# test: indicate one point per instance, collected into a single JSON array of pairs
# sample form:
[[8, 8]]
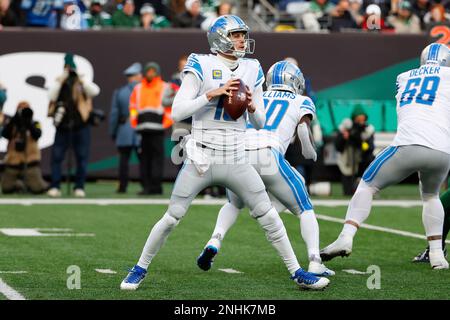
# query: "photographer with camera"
[[72, 111], [22, 160], [355, 146]]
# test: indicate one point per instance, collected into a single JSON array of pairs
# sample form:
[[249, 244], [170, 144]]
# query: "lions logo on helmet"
[[284, 75], [436, 53], [219, 36]]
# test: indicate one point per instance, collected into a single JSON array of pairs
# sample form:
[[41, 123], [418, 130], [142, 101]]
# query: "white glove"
[[308, 149]]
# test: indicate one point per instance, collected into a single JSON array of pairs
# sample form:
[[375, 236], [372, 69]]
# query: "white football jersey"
[[283, 113], [423, 108], [211, 125]]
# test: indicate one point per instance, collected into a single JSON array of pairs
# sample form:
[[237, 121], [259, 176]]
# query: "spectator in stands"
[[71, 107], [222, 9], [355, 146], [318, 15], [22, 159], [112, 6], [125, 18], [160, 7], [146, 117], [149, 19], [436, 15], [41, 13], [373, 20], [420, 9], [72, 17], [192, 17], [404, 20], [356, 10], [120, 129], [342, 17], [96, 18], [7, 16]]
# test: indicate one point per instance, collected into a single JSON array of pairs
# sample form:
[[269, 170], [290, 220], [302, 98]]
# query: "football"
[[236, 104]]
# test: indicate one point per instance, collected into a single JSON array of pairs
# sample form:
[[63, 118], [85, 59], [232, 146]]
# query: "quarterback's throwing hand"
[[225, 89]]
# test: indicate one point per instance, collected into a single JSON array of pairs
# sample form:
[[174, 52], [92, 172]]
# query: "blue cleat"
[[205, 259], [134, 278], [307, 280]]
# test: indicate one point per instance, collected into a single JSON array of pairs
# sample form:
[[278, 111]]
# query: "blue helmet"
[[286, 76], [219, 36], [436, 53]]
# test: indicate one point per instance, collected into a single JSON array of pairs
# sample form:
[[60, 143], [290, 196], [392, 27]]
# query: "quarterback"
[[287, 112], [422, 144], [215, 149]]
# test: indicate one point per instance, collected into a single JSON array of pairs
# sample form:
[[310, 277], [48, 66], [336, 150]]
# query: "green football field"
[[112, 237]]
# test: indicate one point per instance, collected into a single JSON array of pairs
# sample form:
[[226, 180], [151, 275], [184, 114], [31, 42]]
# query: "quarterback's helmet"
[[284, 75], [436, 53], [219, 36]]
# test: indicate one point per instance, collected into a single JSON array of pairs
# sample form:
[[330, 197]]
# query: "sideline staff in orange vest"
[[147, 117]]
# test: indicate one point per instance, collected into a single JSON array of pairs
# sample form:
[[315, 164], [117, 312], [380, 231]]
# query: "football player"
[[287, 112], [422, 144], [215, 150]]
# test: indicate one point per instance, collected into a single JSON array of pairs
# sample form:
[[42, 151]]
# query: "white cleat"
[[320, 270], [437, 260], [54, 192], [133, 279], [79, 193], [341, 247]]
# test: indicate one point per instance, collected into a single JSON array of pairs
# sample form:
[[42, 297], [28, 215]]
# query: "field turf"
[[121, 231]]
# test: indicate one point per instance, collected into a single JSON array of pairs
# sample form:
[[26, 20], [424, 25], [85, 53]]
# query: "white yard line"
[[14, 272], [205, 202], [9, 292], [377, 228], [229, 270], [106, 271]]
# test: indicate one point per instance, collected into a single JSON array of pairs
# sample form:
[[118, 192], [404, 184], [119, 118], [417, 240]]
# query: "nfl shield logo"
[[217, 74]]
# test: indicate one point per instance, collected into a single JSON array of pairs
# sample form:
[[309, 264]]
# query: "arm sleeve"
[[305, 137], [186, 102], [258, 118]]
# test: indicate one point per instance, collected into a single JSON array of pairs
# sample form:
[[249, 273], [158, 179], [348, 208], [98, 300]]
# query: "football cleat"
[[437, 260], [341, 247], [320, 270], [424, 256], [307, 280], [134, 278], [205, 259]]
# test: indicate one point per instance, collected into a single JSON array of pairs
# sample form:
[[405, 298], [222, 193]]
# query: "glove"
[[308, 149]]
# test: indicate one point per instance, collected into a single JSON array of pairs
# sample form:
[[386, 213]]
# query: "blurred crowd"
[[400, 16], [107, 14]]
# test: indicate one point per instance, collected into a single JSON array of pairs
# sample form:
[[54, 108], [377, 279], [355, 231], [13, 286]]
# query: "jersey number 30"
[[427, 92]]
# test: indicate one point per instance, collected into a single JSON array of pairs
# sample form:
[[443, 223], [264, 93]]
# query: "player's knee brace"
[[273, 226], [176, 211], [261, 209]]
